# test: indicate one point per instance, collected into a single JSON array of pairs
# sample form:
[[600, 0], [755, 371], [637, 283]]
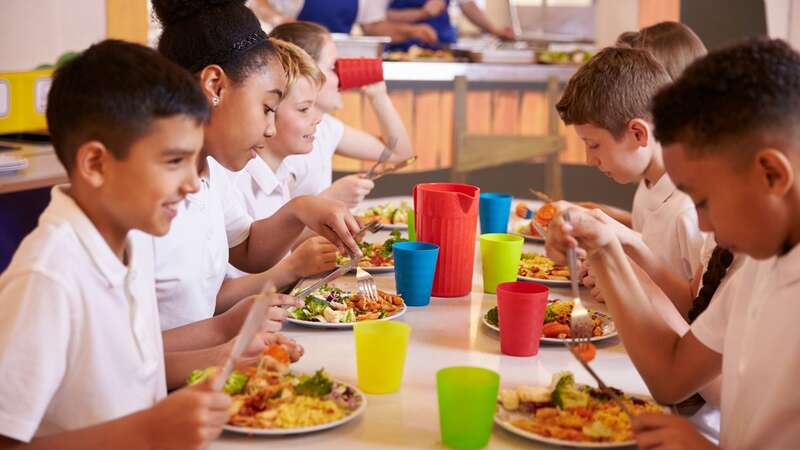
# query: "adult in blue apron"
[[445, 30], [338, 16]]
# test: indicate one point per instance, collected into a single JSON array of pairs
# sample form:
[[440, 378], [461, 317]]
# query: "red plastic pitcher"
[[446, 214]]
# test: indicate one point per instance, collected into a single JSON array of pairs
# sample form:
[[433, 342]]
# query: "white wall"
[[39, 31]]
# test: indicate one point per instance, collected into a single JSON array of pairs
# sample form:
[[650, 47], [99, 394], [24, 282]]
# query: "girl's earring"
[[215, 101]]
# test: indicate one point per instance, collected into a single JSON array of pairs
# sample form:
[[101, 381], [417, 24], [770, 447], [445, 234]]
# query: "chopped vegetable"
[[316, 306], [315, 386], [234, 384], [492, 317], [555, 330], [567, 395], [586, 351], [598, 430], [278, 352]]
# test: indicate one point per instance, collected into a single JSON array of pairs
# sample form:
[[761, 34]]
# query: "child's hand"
[[273, 319], [668, 432], [190, 418], [330, 219], [584, 231], [255, 348], [434, 8], [589, 281], [314, 255], [350, 189]]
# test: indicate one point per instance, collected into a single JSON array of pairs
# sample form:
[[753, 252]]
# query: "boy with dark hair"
[[80, 343], [729, 126]]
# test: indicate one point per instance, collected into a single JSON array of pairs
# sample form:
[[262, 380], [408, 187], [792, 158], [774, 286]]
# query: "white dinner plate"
[[337, 326], [288, 431], [553, 283], [508, 426], [609, 330]]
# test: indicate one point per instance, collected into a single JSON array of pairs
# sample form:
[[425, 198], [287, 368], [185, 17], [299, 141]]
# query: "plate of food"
[[390, 215], [526, 220], [270, 399], [378, 257], [333, 307], [556, 322], [541, 269], [570, 414]]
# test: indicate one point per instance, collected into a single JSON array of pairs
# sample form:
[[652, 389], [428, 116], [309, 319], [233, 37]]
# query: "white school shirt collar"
[[658, 193], [267, 180], [64, 209], [787, 267]]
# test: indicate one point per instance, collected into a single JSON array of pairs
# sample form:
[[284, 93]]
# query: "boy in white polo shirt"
[[80, 343], [730, 131], [607, 101]]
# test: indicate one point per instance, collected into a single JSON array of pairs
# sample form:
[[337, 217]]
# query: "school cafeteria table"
[[448, 332]]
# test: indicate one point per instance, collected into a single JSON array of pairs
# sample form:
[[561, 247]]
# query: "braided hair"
[[716, 269]]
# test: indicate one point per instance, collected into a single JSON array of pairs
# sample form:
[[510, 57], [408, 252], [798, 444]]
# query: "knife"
[[328, 278]]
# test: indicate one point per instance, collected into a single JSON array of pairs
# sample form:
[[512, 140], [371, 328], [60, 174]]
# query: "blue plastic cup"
[[494, 210], [414, 267]]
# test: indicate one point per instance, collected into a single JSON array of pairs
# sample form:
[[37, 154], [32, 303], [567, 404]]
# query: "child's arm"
[[272, 237], [188, 419], [431, 8], [620, 215], [672, 366], [400, 32], [312, 256], [266, 13], [220, 329], [360, 145]]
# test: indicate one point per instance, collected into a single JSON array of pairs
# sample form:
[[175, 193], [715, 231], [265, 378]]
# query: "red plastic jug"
[[446, 214]]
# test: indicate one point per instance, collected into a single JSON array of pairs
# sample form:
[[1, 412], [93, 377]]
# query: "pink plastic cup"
[[356, 72], [520, 310]]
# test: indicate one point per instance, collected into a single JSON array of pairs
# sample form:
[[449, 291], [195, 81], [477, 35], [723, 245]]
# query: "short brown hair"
[[309, 36], [611, 89], [673, 44], [297, 63]]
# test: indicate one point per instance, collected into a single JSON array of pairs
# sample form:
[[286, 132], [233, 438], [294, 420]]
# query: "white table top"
[[448, 332]]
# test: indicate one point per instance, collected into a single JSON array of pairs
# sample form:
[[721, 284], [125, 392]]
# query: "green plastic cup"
[[467, 401], [412, 233], [380, 354], [500, 254]]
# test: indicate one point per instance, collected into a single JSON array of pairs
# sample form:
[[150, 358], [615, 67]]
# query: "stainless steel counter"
[[475, 72]]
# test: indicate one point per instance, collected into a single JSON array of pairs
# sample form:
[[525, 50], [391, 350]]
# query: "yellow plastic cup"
[[500, 255], [380, 355]]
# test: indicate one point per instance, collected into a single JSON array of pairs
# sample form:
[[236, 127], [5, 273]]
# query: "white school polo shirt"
[[314, 170], [753, 324], [263, 191], [80, 341], [667, 221], [191, 260]]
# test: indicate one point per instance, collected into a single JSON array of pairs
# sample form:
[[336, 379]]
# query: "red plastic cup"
[[357, 72], [520, 310], [446, 214]]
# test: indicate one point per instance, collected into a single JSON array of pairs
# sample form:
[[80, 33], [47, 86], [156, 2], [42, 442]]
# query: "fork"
[[373, 226], [366, 285], [603, 387], [580, 322], [541, 195], [385, 154]]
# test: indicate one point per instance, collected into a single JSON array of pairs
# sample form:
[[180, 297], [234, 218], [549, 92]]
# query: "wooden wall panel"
[[533, 113], [427, 128], [127, 20], [479, 112], [446, 124], [505, 108], [654, 11]]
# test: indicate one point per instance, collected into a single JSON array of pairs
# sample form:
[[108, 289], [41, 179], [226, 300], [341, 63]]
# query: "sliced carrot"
[[522, 210], [555, 329], [586, 351], [546, 213], [278, 352]]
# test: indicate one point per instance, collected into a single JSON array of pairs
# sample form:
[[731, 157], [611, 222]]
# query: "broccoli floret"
[[567, 394], [233, 385], [316, 305], [549, 314], [492, 317], [300, 314], [315, 386], [386, 249]]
